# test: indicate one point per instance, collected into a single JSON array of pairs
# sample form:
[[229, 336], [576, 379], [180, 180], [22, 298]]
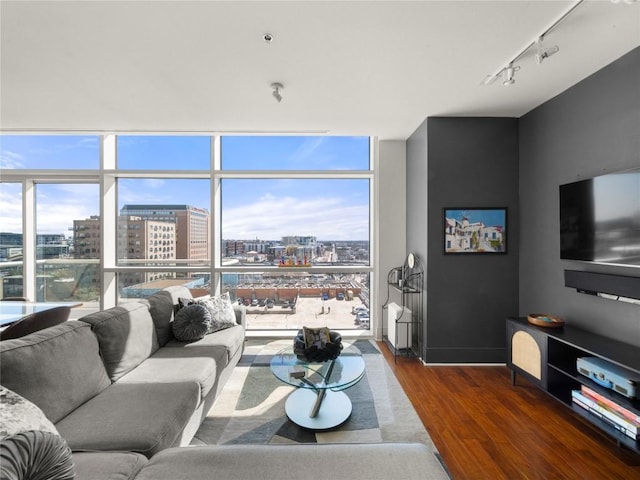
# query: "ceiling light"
[[277, 88], [507, 74], [542, 52]]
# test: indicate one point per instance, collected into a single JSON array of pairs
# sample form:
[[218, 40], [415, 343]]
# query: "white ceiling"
[[349, 67]]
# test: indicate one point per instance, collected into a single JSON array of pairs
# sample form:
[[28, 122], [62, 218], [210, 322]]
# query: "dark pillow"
[[191, 323], [35, 455]]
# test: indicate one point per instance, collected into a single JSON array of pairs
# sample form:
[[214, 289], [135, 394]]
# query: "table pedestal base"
[[334, 410]]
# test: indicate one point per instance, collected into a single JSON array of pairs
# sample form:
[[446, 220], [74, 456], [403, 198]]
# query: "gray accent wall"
[[591, 129], [464, 162]]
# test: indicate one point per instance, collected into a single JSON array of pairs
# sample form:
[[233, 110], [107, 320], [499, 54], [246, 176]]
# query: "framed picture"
[[475, 230]]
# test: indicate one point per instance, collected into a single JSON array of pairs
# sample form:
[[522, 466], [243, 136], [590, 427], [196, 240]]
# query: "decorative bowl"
[[545, 320], [313, 353]]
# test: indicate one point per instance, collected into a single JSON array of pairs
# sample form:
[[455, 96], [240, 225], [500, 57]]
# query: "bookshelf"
[[547, 358]]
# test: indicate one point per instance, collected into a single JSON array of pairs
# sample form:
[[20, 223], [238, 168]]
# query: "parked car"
[[247, 302], [340, 296], [325, 296], [254, 302], [270, 303]]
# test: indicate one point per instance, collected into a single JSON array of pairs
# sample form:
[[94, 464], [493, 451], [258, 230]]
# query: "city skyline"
[[328, 208]]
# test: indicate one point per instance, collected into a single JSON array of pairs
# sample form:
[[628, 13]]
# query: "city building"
[[191, 227]]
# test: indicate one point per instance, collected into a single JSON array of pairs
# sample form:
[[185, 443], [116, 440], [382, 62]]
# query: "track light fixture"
[[542, 52], [508, 73], [277, 88]]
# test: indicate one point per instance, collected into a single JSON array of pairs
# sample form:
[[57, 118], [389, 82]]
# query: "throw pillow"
[[20, 415], [221, 310], [30, 446], [36, 455], [191, 323]]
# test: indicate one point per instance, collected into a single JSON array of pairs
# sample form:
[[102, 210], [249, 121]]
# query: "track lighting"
[[542, 52], [507, 74], [277, 87]]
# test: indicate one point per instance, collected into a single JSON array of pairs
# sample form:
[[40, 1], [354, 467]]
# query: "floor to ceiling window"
[[284, 224]]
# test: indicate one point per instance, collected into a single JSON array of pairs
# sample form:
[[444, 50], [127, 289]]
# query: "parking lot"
[[309, 312]]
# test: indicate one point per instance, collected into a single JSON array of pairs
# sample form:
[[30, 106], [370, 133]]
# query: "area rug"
[[250, 409]]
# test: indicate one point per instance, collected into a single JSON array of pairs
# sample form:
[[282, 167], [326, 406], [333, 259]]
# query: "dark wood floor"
[[486, 429]]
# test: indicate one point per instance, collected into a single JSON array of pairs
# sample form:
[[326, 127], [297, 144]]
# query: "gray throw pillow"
[[221, 310], [191, 323], [30, 446], [35, 455]]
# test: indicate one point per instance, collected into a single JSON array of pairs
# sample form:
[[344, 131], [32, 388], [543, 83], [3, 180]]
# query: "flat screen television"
[[600, 219]]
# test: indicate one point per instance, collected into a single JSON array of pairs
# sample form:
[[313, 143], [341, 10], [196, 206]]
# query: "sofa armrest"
[[241, 314]]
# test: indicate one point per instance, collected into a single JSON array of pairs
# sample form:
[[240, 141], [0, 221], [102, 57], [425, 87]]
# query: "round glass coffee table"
[[319, 402]]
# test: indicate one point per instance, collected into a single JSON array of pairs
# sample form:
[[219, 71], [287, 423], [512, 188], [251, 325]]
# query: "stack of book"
[[623, 419]]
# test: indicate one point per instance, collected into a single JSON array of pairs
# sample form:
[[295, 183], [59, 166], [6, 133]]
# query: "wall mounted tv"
[[600, 219]]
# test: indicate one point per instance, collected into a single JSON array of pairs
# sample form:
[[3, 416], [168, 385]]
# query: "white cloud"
[[270, 218], [11, 160]]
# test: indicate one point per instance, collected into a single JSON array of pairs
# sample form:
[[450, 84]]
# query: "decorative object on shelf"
[[545, 320], [317, 344], [475, 230]]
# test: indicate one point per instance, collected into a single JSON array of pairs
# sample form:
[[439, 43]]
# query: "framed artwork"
[[475, 230]]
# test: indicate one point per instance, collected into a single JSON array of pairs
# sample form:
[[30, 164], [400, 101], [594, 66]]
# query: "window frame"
[[107, 175]]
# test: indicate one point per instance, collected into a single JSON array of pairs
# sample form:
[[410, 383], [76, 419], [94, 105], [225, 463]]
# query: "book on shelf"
[[625, 412], [619, 422], [597, 414]]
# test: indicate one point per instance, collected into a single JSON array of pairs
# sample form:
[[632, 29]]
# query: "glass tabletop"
[[338, 374]]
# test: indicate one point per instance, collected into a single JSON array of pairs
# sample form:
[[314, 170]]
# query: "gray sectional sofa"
[[128, 398]]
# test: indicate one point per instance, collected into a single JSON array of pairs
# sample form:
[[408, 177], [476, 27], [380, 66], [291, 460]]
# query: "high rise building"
[[87, 238], [191, 226]]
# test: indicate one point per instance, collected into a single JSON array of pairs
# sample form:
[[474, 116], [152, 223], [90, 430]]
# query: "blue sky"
[[490, 218], [265, 209]]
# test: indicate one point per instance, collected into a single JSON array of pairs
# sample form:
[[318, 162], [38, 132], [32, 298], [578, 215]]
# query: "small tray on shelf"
[[545, 320]]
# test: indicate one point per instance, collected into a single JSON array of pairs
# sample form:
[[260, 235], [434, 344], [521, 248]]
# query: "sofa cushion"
[[221, 345], [35, 455], [172, 365], [107, 465], [39, 367], [162, 306], [191, 323], [126, 334], [143, 418]]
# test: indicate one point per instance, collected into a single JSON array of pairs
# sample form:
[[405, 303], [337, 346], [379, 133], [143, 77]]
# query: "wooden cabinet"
[[547, 357]]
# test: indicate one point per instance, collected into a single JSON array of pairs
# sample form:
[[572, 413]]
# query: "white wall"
[[391, 213]]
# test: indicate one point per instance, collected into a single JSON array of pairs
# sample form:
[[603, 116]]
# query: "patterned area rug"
[[250, 409]]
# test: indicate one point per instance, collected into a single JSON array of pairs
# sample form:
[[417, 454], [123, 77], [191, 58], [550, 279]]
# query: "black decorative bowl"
[[314, 354]]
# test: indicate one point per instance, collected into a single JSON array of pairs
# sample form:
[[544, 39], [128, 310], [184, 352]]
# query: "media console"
[[547, 357]]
